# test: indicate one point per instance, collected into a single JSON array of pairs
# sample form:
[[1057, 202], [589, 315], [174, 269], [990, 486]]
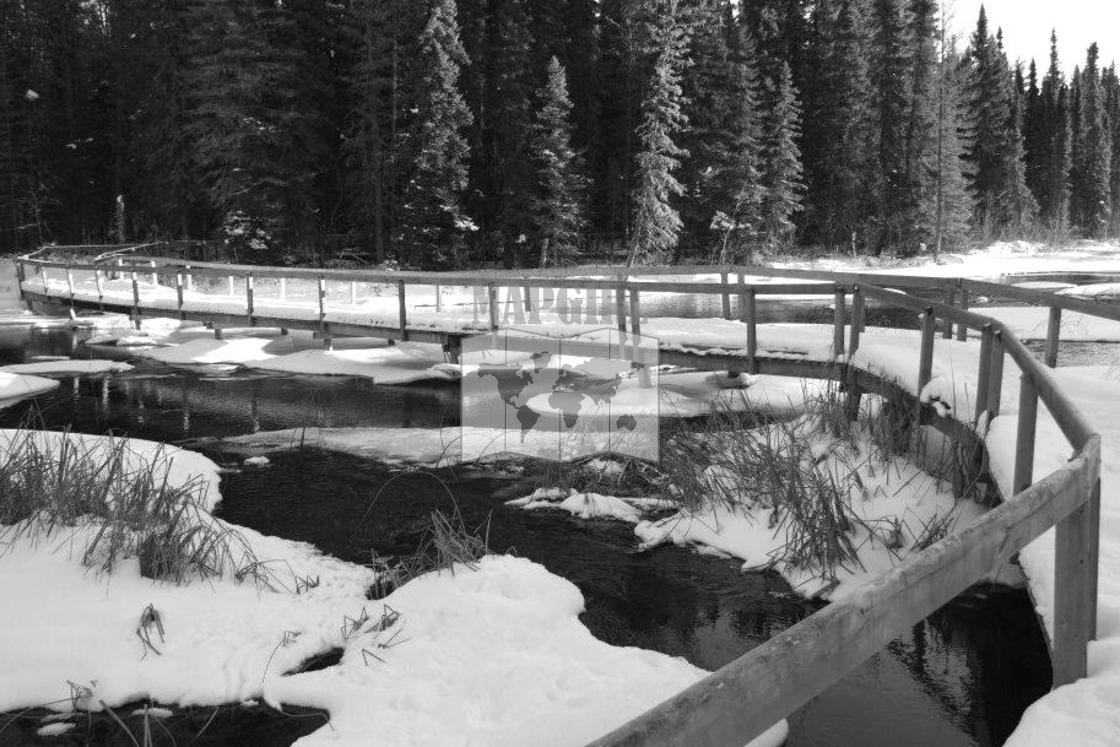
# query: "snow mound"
[[90, 367]]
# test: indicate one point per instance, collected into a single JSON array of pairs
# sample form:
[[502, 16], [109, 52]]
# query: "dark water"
[[257, 725], [962, 677]]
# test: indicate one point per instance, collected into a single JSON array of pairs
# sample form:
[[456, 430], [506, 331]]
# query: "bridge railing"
[[744, 698]]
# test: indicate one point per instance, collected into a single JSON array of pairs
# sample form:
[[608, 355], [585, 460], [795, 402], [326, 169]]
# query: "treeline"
[[523, 132]]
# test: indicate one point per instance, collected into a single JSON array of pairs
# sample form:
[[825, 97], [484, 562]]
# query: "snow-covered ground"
[[495, 655], [68, 367], [1085, 713], [15, 387]]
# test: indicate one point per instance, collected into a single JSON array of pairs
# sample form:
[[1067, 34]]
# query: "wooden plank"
[[919, 305], [950, 300], [928, 325], [1065, 412], [744, 698], [401, 310], [987, 334], [752, 333], [857, 321], [249, 297], [135, 301], [635, 311], [620, 306], [962, 328], [1053, 336], [725, 295], [179, 293], [1076, 566], [742, 299], [995, 374], [1043, 298], [838, 314], [322, 286], [1024, 438]]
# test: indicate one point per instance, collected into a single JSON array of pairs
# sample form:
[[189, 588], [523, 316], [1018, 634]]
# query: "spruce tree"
[[253, 136], [993, 132], [1054, 144], [740, 191], [374, 148], [1094, 153], [706, 85], [944, 206], [432, 224], [1112, 114], [781, 164], [889, 63], [558, 205], [507, 178], [840, 139], [657, 222]]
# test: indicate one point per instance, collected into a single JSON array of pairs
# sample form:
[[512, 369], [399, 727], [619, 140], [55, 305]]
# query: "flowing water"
[[962, 677]]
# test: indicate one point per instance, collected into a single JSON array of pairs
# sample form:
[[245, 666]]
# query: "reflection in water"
[[962, 677]]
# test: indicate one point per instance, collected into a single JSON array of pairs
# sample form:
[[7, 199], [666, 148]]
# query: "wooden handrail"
[[779, 676]]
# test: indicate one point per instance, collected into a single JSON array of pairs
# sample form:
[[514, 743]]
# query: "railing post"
[[742, 299], [635, 311], [995, 374], [99, 282], [725, 296], [179, 292], [1075, 600], [528, 300], [231, 289], [620, 305], [190, 277], [984, 374], [1053, 336], [857, 321], [438, 304], [249, 297], [950, 299], [752, 332], [928, 324], [838, 313], [155, 275], [401, 310], [353, 293], [135, 301], [962, 328], [322, 284], [492, 303], [1024, 439], [283, 288]]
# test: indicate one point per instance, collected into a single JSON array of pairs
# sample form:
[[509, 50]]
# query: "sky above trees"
[[1027, 24]]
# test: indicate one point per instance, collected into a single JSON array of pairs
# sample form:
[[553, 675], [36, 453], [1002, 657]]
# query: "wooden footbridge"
[[744, 698]]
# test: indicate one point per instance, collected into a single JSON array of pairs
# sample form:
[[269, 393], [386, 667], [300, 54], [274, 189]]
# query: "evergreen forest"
[[443, 134]]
